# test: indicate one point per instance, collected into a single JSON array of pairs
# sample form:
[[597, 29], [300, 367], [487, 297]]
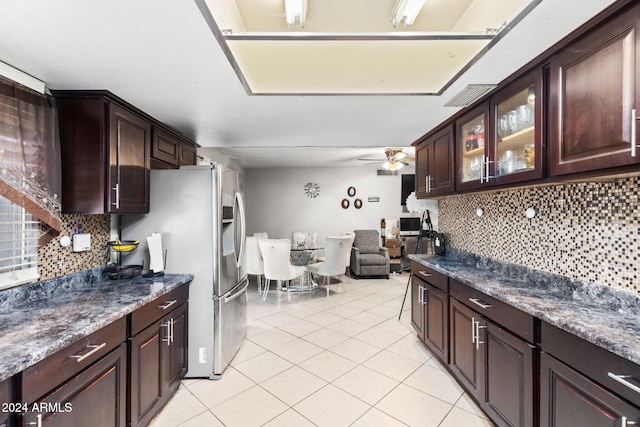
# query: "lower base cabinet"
[[568, 398], [6, 397], [95, 397], [158, 358], [494, 365]]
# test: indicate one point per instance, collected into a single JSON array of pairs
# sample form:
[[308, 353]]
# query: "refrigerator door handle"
[[240, 203], [237, 294]]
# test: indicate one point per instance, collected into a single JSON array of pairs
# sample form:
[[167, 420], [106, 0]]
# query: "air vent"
[[469, 95], [384, 172]]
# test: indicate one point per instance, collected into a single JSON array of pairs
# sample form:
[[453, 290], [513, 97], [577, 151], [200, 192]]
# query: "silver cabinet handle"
[[428, 183], [37, 423], [624, 422], [622, 379], [117, 190], [167, 304], [167, 325], [171, 329], [94, 348], [480, 303], [475, 332], [421, 295], [425, 274], [482, 169], [634, 128]]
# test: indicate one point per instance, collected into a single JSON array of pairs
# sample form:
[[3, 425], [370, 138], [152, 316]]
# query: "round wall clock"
[[312, 190]]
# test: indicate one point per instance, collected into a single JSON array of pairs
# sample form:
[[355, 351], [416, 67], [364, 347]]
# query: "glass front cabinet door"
[[500, 142], [516, 143], [471, 148]]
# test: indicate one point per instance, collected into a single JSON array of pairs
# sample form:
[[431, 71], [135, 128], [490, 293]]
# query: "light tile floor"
[[345, 360]]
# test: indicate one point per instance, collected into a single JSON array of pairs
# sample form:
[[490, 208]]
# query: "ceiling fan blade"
[[373, 160], [401, 155]]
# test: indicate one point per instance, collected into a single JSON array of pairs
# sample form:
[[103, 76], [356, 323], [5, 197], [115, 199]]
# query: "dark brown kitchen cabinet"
[[494, 364], [105, 152], [170, 150], [158, 354], [417, 306], [435, 164], [7, 414], [568, 398], [94, 397], [471, 150], [82, 384], [594, 98], [515, 144], [501, 141], [433, 309]]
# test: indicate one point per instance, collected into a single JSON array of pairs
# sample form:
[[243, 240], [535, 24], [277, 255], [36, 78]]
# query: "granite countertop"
[[601, 315], [40, 319]]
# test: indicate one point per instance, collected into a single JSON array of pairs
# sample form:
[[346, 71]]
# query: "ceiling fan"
[[395, 159]]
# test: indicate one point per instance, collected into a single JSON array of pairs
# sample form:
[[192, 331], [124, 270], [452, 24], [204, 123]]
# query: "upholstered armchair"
[[368, 258]]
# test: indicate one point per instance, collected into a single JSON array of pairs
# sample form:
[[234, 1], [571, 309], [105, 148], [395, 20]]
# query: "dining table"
[[303, 255]]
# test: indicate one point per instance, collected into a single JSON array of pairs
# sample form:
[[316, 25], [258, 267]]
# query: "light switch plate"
[[81, 242]]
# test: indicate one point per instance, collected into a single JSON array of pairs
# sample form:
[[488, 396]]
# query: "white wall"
[[276, 202]]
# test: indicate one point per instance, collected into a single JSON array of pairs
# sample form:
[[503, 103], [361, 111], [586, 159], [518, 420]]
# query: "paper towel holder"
[[152, 274]]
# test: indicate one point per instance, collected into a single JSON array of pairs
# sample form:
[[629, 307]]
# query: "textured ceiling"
[[161, 56]]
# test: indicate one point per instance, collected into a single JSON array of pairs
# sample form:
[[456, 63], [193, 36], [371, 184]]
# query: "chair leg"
[[289, 290], [327, 280], [266, 290], [259, 278]]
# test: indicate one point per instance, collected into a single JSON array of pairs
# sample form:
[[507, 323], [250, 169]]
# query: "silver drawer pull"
[[94, 349], [167, 304], [425, 274], [624, 422], [622, 379], [480, 303]]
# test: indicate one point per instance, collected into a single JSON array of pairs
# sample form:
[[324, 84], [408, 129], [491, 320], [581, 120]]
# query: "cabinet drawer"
[[144, 316], [518, 322], [593, 361], [430, 276], [57, 368]]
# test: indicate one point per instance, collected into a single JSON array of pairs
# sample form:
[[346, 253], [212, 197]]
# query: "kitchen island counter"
[[40, 319], [604, 316]]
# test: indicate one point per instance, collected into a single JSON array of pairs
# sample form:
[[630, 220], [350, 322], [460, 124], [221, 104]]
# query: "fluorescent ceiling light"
[[406, 11], [296, 10]]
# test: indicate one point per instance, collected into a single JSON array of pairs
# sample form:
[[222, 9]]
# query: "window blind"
[[19, 232]]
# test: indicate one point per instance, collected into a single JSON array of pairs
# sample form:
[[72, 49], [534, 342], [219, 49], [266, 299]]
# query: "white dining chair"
[[253, 260], [348, 261], [261, 235], [277, 265], [337, 248]]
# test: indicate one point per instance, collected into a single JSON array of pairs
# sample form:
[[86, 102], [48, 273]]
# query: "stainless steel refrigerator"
[[199, 212]]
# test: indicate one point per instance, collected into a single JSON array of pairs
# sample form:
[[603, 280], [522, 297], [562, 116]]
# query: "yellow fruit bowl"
[[124, 245]]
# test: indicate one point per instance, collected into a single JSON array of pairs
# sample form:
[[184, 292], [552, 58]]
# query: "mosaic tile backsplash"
[[55, 261], [588, 231]]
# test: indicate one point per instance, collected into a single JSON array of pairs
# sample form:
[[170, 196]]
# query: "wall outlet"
[[81, 242], [202, 355]]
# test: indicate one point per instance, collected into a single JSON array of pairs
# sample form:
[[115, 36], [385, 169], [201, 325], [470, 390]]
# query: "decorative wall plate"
[[345, 203], [312, 190], [357, 204], [351, 191]]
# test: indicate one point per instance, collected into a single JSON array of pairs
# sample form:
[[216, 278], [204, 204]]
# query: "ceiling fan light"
[[406, 11], [387, 165], [296, 10]]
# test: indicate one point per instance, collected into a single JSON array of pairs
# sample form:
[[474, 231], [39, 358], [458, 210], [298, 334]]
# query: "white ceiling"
[[161, 56]]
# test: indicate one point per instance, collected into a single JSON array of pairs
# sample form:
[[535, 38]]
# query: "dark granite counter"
[[39, 319], [604, 316]]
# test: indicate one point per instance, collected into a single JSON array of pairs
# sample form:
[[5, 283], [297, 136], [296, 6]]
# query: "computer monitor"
[[410, 226]]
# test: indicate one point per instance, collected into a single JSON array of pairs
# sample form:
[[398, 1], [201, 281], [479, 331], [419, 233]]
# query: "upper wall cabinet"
[[170, 150], [434, 164], [501, 142], [594, 97], [105, 150]]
